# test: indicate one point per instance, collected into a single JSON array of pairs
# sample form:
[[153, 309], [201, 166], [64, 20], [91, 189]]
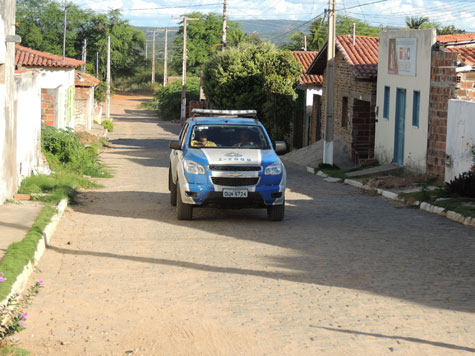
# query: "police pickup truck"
[[224, 158]]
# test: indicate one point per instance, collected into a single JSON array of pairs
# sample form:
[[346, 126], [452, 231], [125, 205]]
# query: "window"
[[386, 103], [344, 112], [416, 104]]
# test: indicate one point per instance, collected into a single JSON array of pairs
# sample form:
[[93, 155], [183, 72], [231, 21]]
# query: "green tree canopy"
[[424, 23], [41, 28], [203, 38], [257, 77]]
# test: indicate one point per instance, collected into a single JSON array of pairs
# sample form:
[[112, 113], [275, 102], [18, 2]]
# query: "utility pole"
[[146, 49], [84, 51], [354, 34], [183, 78], [165, 60], [305, 42], [97, 64], [330, 102], [108, 90], [153, 55], [225, 4], [64, 29]]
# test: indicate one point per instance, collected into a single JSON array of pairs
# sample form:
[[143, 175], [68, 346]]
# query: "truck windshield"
[[228, 136]]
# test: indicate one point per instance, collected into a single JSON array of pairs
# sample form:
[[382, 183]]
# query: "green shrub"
[[463, 185], [64, 151], [108, 125], [169, 98]]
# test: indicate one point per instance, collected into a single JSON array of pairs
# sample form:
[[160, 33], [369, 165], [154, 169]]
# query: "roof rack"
[[227, 113]]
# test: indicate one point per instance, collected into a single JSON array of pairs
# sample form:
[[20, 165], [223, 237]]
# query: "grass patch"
[[461, 205], [20, 253], [56, 186], [8, 350], [148, 105], [333, 171]]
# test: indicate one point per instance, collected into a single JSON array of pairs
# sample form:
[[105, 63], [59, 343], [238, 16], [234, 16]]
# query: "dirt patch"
[[86, 138], [396, 182]]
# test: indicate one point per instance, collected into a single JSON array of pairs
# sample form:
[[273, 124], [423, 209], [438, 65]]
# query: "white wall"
[[415, 141], [60, 79], [28, 115], [309, 92], [8, 176], [460, 137]]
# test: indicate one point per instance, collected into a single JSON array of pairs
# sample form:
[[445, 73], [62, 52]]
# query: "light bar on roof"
[[252, 113]]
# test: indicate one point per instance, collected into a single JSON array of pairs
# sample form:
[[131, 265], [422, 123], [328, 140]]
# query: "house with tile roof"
[[418, 73], [85, 104], [8, 167], [307, 115], [56, 79], [356, 68]]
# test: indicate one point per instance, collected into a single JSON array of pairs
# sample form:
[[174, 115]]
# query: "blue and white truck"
[[224, 158]]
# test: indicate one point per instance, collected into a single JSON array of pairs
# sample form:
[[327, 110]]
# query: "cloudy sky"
[[160, 13]]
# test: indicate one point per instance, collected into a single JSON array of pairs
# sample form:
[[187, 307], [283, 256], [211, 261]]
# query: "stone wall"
[[347, 85]]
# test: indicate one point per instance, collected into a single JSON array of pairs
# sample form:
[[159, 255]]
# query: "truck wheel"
[[172, 188], [276, 212], [183, 211]]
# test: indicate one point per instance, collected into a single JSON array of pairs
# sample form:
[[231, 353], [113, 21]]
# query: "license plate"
[[234, 193]]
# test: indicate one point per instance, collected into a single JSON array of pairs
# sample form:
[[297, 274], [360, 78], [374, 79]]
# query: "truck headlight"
[[273, 169], [193, 167]]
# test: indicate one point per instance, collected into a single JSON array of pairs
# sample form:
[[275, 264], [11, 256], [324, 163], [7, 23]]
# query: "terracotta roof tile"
[[462, 37], [362, 57], [85, 80], [467, 54], [25, 56], [305, 59]]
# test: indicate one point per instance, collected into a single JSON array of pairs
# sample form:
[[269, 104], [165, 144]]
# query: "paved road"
[[346, 273]]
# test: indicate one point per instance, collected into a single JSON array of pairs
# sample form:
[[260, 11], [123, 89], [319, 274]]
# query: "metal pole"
[[165, 61], [108, 91], [153, 57], [97, 64], [330, 100], [64, 30], [146, 49], [354, 34], [84, 51], [225, 3], [305, 42]]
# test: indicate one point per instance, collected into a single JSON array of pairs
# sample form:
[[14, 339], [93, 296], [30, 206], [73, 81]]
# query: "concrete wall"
[[61, 80], [28, 114], [415, 141], [8, 166], [307, 127], [460, 138]]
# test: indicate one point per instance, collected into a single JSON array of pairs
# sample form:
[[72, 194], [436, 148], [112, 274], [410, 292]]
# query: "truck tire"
[[172, 188], [276, 212], [183, 211]]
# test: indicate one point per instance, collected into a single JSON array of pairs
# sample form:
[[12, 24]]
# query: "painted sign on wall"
[[402, 56]]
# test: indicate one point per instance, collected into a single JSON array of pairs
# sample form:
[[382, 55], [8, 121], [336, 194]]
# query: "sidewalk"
[[16, 219]]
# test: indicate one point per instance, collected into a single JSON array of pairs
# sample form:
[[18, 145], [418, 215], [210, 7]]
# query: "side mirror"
[[175, 145], [280, 146]]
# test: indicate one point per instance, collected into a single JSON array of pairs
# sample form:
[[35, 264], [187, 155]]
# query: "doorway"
[[399, 126]]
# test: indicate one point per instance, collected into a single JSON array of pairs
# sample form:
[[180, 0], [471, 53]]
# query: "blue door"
[[399, 126]]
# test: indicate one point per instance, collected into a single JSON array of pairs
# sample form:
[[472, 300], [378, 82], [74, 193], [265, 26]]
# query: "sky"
[[161, 13]]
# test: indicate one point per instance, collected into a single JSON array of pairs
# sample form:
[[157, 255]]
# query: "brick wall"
[[443, 88], [347, 85], [48, 107], [466, 89]]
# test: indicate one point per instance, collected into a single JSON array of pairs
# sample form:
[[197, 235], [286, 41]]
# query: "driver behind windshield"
[[244, 139]]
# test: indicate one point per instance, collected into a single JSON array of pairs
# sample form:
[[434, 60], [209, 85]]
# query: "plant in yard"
[[108, 125], [12, 315], [464, 184]]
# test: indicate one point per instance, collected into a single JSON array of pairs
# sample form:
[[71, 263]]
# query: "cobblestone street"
[[346, 273]]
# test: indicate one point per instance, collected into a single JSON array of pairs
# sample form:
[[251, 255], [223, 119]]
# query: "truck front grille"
[[234, 182]]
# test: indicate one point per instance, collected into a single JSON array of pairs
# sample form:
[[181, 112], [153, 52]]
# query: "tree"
[[203, 38], [415, 23], [41, 28], [296, 43], [257, 77]]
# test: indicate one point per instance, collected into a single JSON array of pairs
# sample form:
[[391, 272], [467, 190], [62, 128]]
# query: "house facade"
[[306, 125], [56, 79], [418, 73], [356, 64], [8, 166], [85, 103]]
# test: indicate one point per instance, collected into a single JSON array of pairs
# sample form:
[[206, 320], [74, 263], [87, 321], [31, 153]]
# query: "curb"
[[452, 215], [22, 278]]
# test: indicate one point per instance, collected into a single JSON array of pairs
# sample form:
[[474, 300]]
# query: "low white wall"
[[28, 115], [460, 137]]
